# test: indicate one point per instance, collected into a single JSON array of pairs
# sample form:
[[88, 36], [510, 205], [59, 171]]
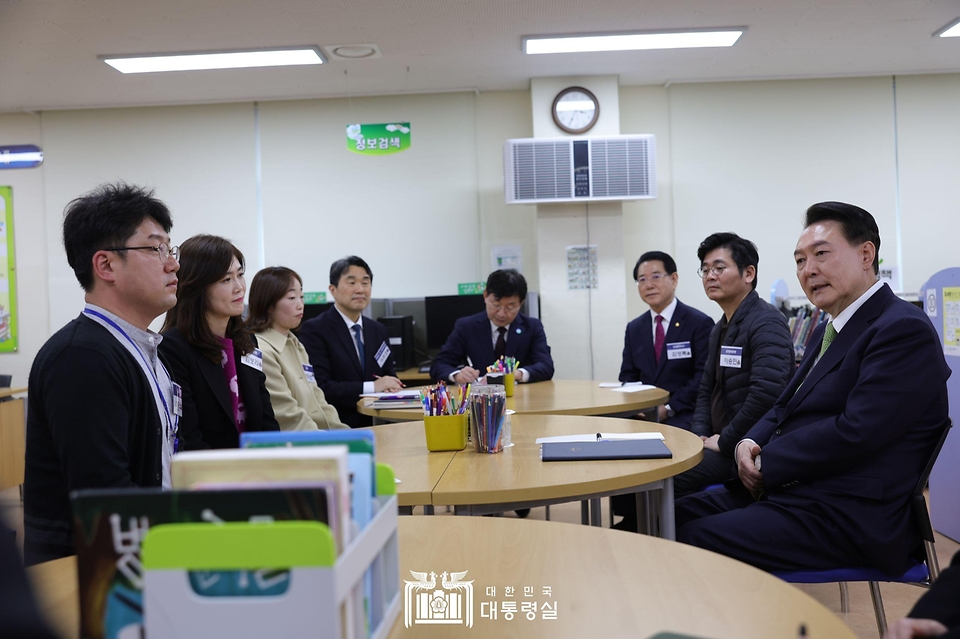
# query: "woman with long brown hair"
[[276, 308], [209, 351]]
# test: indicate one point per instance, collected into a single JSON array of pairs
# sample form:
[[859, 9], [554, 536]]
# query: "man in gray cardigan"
[[750, 359]]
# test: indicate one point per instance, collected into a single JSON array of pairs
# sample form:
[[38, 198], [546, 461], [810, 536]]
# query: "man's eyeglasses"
[[162, 250], [717, 270], [656, 277], [496, 308]]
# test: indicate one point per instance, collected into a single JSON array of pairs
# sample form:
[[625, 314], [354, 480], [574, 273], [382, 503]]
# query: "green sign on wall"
[[471, 288], [315, 298], [378, 139], [8, 274]]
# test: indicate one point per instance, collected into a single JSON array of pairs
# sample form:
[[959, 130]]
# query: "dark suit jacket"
[[851, 443], [681, 377], [333, 356], [472, 337], [208, 420]]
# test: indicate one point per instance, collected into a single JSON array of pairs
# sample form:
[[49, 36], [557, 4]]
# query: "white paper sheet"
[[592, 437]]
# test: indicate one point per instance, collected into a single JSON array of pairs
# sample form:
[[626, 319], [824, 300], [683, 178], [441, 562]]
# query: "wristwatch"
[[670, 411]]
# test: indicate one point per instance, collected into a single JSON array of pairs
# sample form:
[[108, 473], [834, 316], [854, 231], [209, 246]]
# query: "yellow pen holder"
[[445, 432], [509, 381]]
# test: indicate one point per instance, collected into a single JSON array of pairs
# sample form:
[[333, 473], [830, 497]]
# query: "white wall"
[[31, 248], [648, 225], [750, 157], [200, 160], [503, 116], [412, 215], [929, 140]]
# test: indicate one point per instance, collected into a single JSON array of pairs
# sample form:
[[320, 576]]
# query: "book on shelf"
[[110, 525]]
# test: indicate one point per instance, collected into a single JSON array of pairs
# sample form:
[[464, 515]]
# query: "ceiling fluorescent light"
[[214, 60], [952, 30], [632, 41]]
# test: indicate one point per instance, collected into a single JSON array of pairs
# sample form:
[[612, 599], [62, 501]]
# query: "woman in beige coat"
[[276, 308]]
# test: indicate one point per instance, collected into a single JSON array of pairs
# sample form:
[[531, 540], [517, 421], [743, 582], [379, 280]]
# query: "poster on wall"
[[582, 267], [378, 139], [951, 320], [8, 274], [507, 257]]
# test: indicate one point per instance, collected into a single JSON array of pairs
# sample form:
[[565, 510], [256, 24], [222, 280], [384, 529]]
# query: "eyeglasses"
[[656, 277], [496, 308], [162, 250], [717, 270]]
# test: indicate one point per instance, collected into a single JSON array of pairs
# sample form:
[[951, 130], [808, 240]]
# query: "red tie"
[[660, 338], [501, 346]]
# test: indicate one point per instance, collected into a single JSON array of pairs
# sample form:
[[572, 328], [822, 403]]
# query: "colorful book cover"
[[111, 524], [264, 466]]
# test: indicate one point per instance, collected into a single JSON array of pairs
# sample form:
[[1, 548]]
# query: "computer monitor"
[[442, 312], [312, 310]]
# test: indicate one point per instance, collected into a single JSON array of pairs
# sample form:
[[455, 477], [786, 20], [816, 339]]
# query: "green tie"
[[828, 336]]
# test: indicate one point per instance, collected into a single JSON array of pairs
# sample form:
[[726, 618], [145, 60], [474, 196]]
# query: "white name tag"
[[254, 359], [679, 350], [308, 371], [177, 399], [382, 354], [731, 356]]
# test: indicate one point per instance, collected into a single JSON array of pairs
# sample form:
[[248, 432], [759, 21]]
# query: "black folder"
[[623, 449]]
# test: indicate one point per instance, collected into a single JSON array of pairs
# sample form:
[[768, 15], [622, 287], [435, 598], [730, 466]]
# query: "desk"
[[476, 483], [413, 377], [13, 439], [554, 397], [606, 583]]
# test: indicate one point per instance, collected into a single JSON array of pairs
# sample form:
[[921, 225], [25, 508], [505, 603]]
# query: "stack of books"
[[329, 478], [802, 327]]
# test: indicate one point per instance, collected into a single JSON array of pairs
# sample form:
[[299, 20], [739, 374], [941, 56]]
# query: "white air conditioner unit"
[[622, 167]]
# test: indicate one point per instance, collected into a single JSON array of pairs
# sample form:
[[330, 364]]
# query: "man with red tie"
[[666, 346]]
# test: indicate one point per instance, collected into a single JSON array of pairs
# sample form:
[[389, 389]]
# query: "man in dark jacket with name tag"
[[750, 359]]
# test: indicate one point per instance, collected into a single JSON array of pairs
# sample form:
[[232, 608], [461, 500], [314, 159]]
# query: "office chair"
[[922, 573]]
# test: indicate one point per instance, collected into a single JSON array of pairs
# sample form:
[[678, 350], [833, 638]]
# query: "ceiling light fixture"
[[952, 30], [214, 60], [637, 41]]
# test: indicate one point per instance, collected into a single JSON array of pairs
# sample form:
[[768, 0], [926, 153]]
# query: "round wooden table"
[[476, 483], [554, 397], [603, 583]]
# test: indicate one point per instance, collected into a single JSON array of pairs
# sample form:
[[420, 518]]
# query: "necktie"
[[501, 346], [359, 340], [828, 336], [660, 338]]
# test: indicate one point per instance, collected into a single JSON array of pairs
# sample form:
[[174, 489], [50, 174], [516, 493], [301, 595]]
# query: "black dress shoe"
[[522, 513]]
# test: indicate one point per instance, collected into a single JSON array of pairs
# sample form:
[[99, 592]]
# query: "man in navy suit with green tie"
[[479, 340], [827, 474]]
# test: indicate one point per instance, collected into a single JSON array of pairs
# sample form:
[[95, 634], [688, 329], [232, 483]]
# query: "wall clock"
[[575, 110]]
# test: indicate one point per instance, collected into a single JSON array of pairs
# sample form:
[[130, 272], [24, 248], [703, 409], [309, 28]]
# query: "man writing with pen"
[[501, 330]]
